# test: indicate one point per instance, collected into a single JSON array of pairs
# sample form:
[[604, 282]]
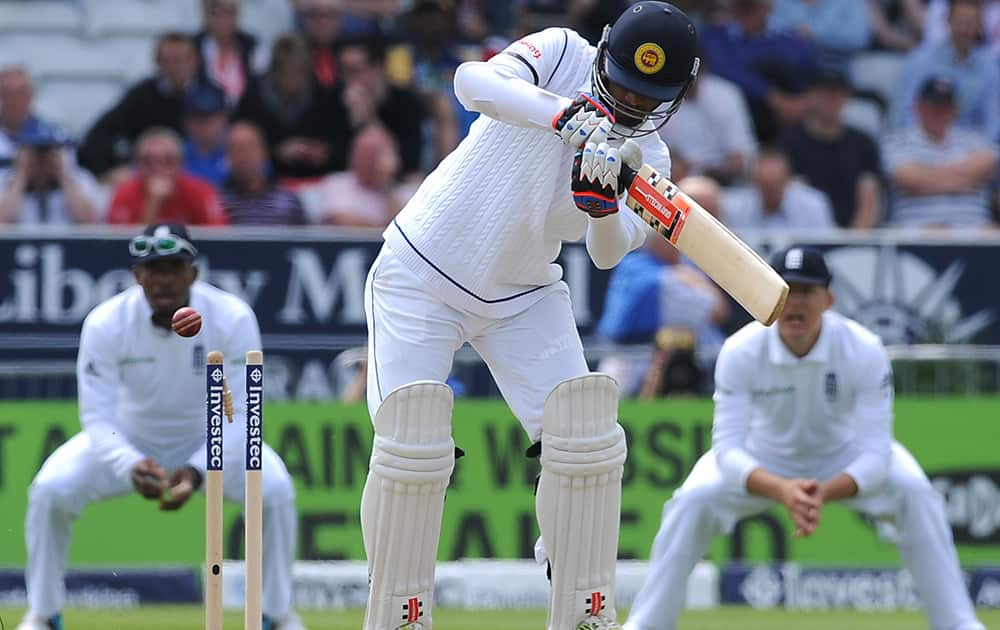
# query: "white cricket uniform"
[[827, 413], [470, 257], [142, 394]]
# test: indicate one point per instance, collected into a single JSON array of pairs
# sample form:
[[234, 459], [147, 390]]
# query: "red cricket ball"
[[186, 321]]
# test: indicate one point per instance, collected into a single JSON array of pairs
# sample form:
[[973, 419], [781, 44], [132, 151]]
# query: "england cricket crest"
[[831, 387]]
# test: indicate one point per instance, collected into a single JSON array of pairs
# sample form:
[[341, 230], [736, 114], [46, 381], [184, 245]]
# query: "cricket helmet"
[[650, 50]]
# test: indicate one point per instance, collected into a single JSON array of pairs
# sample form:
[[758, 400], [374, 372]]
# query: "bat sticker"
[[666, 214]]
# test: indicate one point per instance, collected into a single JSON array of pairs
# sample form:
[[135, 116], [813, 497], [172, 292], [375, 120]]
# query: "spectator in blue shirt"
[[653, 289], [970, 64], [839, 29], [772, 68], [205, 123], [939, 174]]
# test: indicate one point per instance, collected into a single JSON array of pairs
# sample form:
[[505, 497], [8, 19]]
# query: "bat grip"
[[625, 178]]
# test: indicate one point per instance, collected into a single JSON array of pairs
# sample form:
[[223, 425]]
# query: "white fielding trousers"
[[413, 336], [73, 477], [705, 507]]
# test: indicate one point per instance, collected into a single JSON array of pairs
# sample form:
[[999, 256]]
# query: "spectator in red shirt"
[[159, 191]]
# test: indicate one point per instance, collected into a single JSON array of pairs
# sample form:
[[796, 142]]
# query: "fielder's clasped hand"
[[183, 482], [151, 481], [585, 120], [802, 499], [148, 477]]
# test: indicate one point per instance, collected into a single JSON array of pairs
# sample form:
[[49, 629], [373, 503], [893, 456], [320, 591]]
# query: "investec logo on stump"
[[214, 446], [255, 439]]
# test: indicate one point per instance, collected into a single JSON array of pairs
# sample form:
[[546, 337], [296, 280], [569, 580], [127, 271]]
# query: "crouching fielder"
[[470, 260], [142, 407], [803, 417]]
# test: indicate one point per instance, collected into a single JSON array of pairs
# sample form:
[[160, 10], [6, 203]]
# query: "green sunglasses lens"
[[142, 245], [166, 245]]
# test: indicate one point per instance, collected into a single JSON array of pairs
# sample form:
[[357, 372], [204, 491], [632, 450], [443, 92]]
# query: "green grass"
[[192, 618]]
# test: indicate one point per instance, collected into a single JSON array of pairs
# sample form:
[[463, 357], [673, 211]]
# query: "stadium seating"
[[82, 54], [71, 57], [864, 114], [40, 17], [145, 17], [88, 99], [266, 19], [877, 72]]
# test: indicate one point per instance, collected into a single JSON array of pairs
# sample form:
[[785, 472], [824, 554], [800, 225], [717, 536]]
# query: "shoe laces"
[[598, 623]]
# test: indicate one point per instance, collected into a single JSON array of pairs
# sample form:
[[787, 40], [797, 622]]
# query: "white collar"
[[779, 354]]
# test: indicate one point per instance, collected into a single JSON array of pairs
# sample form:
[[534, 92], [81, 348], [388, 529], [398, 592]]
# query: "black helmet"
[[650, 50]]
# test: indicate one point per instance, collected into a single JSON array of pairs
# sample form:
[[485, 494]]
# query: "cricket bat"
[[726, 259]]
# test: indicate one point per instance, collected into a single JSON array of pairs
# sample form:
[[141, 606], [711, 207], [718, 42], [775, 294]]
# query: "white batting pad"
[[412, 460], [579, 497]]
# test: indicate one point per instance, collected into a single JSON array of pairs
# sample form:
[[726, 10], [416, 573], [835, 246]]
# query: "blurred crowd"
[[336, 123]]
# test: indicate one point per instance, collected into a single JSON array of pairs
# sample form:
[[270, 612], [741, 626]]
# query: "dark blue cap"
[[39, 134], [939, 88], [802, 265], [651, 50], [162, 240], [205, 100]]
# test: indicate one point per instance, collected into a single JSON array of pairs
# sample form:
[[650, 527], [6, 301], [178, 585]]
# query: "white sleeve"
[[510, 86], [98, 381], [609, 238], [872, 416], [731, 422], [244, 335]]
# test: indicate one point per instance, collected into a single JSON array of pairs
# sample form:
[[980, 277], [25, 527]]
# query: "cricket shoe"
[[32, 621], [291, 622], [597, 623]]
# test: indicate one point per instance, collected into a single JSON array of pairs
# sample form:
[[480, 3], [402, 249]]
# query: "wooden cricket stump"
[[253, 515], [219, 402]]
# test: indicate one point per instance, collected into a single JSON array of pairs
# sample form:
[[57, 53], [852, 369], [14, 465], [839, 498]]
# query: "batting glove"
[[596, 171], [585, 120]]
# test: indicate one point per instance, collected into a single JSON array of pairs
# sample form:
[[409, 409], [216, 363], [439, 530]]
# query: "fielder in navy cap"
[[802, 265], [162, 241], [802, 419]]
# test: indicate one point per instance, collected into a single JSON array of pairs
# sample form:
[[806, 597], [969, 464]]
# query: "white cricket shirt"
[[486, 225], [142, 387], [817, 416]]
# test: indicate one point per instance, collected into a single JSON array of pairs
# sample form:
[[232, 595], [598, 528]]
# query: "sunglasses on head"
[[142, 246]]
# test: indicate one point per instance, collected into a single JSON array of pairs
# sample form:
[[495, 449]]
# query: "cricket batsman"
[[470, 259], [142, 407], [803, 417]]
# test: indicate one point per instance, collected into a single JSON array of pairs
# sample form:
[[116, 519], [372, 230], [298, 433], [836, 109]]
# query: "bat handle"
[[625, 178]]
